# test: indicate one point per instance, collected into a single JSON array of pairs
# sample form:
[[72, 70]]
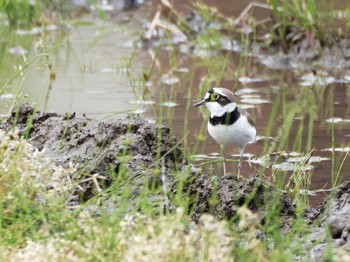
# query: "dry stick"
[[247, 9], [96, 184], [167, 26], [152, 26], [157, 23], [175, 18]]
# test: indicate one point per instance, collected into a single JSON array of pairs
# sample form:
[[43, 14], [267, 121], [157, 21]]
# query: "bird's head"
[[219, 101]]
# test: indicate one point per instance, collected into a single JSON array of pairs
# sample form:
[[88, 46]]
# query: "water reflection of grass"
[[296, 120]]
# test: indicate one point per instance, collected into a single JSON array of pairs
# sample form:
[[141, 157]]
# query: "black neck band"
[[226, 119]]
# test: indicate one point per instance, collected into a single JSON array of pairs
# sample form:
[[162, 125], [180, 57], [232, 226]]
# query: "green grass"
[[312, 17], [20, 12], [27, 13]]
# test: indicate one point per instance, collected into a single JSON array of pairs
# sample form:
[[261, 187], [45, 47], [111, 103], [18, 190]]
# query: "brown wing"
[[249, 117]]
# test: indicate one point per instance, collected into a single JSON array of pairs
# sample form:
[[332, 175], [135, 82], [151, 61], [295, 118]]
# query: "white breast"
[[239, 134]]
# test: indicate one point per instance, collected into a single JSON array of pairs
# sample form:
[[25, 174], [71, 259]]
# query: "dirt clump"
[[138, 147], [93, 144], [331, 224], [131, 144]]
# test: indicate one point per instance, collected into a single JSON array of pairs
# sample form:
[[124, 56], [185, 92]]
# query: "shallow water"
[[91, 78], [89, 68]]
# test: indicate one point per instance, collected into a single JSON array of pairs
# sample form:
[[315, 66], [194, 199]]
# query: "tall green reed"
[[311, 16]]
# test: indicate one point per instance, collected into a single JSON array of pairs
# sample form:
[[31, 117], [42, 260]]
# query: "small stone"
[[339, 242], [336, 226]]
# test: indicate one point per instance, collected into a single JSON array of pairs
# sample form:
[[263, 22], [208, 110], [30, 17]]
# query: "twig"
[[247, 9], [152, 26], [175, 18]]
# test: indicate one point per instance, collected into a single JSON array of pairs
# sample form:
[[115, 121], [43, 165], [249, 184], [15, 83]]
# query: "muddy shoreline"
[[142, 150]]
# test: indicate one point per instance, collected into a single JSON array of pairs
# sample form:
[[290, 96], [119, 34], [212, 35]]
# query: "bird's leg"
[[241, 152], [224, 159]]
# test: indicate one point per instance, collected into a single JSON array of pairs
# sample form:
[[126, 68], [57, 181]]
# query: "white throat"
[[218, 110]]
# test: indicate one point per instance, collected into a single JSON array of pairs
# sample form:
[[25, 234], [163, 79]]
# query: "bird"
[[228, 124]]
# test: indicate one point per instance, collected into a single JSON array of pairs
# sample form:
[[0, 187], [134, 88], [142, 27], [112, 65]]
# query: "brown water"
[[91, 78]]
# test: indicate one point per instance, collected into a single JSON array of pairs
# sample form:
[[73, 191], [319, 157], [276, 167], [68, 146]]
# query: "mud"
[[136, 148], [333, 58], [232, 194], [333, 223], [97, 147], [298, 49], [135, 145]]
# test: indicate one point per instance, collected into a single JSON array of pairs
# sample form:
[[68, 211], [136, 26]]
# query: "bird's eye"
[[214, 96]]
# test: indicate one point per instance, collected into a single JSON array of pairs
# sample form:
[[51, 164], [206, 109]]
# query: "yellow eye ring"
[[214, 96]]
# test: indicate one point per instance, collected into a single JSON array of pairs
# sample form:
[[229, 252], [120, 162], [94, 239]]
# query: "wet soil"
[[299, 49], [97, 147], [102, 147], [333, 219]]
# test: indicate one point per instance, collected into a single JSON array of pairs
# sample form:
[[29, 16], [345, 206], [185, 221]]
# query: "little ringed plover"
[[228, 124]]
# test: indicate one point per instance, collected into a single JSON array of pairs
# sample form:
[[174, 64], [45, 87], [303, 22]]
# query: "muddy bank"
[[142, 151], [332, 224], [102, 148], [256, 32], [96, 145]]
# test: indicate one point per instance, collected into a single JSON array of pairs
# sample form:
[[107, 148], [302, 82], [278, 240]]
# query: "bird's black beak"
[[200, 103]]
